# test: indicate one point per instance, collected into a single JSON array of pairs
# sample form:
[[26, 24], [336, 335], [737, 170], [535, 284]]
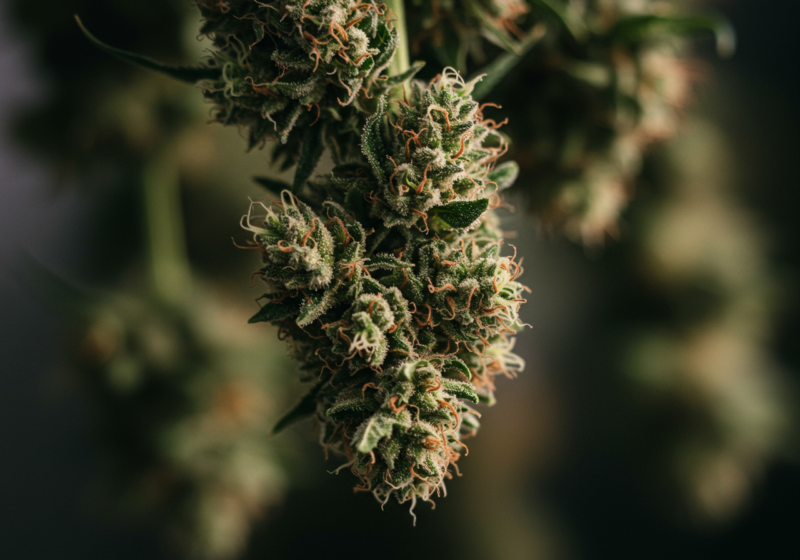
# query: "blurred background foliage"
[[658, 414]]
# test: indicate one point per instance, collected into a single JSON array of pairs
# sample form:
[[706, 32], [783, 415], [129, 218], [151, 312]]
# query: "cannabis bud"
[[457, 29], [609, 79], [292, 63], [439, 160], [387, 278], [401, 310]]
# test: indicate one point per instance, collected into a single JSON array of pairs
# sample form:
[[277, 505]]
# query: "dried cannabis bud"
[[286, 65], [393, 325]]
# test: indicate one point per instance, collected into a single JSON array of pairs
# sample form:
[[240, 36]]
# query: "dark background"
[[594, 499]]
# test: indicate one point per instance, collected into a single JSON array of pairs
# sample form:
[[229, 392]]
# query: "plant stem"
[[166, 244], [401, 61]]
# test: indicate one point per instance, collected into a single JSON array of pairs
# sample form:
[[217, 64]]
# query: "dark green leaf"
[[187, 74], [306, 407], [371, 142], [316, 304], [460, 389], [407, 75], [275, 311], [386, 41], [494, 72], [310, 154], [273, 185], [458, 365], [461, 214]]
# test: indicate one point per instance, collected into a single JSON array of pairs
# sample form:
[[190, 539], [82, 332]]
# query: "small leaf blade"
[[310, 154], [188, 74], [461, 214], [275, 312], [372, 143], [273, 185], [306, 407], [407, 75]]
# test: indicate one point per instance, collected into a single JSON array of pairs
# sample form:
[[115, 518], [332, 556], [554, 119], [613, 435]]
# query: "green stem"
[[401, 61], [166, 245]]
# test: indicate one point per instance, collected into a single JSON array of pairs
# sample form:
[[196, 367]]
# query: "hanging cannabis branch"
[[386, 275]]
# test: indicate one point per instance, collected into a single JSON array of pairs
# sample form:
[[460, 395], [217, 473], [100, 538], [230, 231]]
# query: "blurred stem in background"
[[163, 215], [400, 62]]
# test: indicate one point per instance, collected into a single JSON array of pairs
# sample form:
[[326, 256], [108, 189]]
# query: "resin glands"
[[393, 292]]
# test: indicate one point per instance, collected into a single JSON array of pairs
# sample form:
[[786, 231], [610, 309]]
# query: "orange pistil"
[[432, 289], [396, 409], [424, 177], [424, 218], [261, 88], [435, 387], [315, 52], [453, 410], [428, 320], [309, 232], [494, 125], [464, 137], [285, 247], [444, 112], [319, 112], [452, 309], [256, 273], [461, 443]]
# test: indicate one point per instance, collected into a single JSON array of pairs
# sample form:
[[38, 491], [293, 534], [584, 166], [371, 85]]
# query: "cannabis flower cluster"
[[608, 80], [387, 277], [391, 287], [286, 65]]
